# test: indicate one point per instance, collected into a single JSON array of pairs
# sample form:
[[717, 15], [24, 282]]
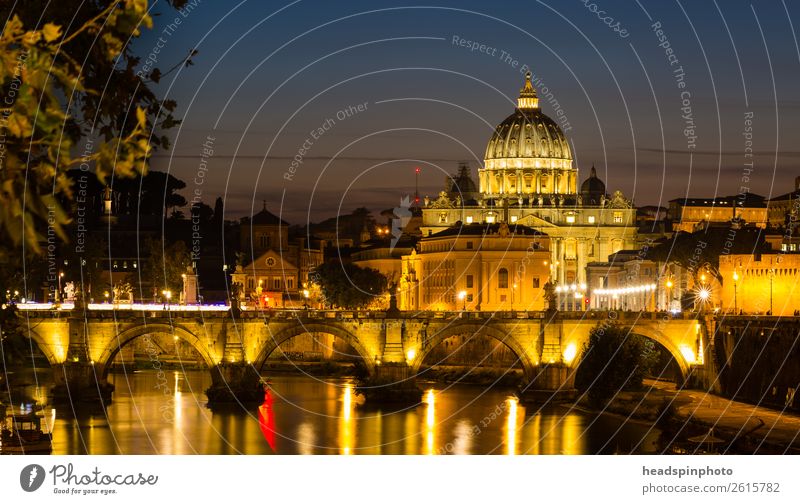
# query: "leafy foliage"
[[613, 359], [165, 265], [70, 97], [346, 285]]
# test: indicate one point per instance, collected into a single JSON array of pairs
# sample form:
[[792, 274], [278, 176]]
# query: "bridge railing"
[[109, 310]]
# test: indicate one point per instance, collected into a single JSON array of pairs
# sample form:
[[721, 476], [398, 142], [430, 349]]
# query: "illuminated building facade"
[[760, 284], [477, 267], [528, 179], [278, 274], [687, 214], [628, 281]]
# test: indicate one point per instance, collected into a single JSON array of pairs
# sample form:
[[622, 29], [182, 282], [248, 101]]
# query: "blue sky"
[[268, 73]]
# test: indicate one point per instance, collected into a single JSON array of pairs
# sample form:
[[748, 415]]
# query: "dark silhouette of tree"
[[155, 194], [346, 285], [203, 215], [613, 359], [219, 216], [166, 265]]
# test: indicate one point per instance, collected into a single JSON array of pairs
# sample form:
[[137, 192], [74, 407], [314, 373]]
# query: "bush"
[[613, 359]]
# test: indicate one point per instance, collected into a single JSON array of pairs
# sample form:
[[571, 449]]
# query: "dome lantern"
[[527, 95]]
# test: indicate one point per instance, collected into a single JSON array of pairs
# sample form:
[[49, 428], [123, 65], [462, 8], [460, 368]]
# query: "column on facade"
[[581, 276], [485, 287], [519, 181], [554, 177]]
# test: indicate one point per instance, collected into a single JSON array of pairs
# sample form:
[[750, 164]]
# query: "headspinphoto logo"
[[31, 477]]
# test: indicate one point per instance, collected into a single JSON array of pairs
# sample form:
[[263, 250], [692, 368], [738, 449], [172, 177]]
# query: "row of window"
[[275, 285], [502, 280], [490, 219]]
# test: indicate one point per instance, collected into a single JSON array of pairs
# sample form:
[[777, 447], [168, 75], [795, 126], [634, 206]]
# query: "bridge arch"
[[507, 338], [128, 335], [55, 352], [647, 331], [666, 342], [285, 334]]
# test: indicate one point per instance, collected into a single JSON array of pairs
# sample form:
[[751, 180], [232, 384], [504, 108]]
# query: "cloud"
[[791, 154]]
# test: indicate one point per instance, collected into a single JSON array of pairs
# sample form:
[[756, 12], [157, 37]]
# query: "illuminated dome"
[[528, 153], [592, 189]]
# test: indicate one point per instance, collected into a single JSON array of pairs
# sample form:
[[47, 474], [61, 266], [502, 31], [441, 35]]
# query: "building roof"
[[741, 200], [787, 197], [265, 218], [480, 229]]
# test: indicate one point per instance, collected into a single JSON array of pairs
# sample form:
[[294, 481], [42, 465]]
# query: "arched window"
[[502, 279]]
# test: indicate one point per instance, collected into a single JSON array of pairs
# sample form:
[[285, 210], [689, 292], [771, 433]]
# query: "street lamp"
[[463, 297], [305, 296], [513, 288], [735, 279], [60, 276], [669, 294]]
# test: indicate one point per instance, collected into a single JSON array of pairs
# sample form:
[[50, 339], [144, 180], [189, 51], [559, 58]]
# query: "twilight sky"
[[391, 90]]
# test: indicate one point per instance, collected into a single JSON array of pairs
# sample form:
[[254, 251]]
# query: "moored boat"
[[23, 434]]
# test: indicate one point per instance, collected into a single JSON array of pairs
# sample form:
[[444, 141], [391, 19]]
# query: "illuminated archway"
[[647, 334], [290, 332], [54, 349], [127, 336], [507, 338]]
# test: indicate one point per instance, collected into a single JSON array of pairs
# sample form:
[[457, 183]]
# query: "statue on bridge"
[[550, 296]]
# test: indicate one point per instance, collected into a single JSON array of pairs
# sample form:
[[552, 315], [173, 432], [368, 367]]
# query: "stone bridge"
[[392, 345]]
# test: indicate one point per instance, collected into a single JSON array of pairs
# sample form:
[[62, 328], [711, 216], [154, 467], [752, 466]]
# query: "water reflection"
[[266, 420], [430, 422], [346, 433], [304, 415], [511, 427]]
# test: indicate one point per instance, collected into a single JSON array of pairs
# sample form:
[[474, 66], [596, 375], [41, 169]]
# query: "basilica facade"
[[528, 183]]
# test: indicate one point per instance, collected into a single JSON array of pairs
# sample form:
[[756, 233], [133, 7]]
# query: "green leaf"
[[51, 32]]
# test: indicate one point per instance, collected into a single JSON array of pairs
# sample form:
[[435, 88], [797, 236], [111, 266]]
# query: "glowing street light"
[[669, 285], [60, 276], [463, 297]]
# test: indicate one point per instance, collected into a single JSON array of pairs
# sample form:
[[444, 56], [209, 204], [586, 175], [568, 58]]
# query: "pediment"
[[271, 260]]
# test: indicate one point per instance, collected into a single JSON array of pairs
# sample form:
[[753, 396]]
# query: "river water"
[[304, 415]]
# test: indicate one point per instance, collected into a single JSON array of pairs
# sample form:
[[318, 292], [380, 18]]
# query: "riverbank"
[[321, 369], [719, 424], [486, 376]]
